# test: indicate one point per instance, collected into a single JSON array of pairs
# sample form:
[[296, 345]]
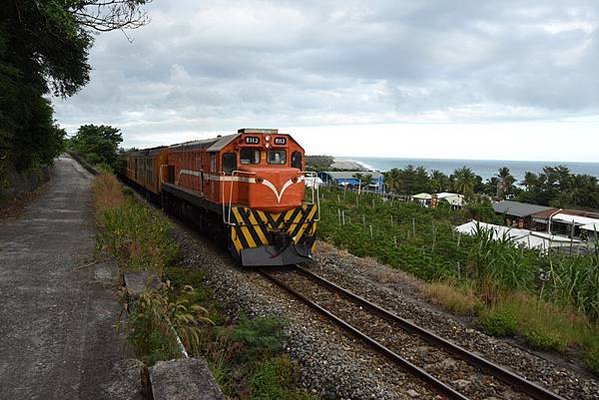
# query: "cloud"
[[219, 65]]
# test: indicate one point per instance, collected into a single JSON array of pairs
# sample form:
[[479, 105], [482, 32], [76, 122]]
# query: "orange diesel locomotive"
[[246, 189]]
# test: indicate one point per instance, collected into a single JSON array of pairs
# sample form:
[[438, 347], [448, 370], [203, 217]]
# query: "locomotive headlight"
[[267, 138], [267, 145]]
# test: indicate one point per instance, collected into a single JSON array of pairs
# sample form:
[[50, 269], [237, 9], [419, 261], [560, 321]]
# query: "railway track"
[[446, 368]]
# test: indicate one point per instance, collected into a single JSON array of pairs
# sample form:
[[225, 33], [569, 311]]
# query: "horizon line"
[[459, 159]]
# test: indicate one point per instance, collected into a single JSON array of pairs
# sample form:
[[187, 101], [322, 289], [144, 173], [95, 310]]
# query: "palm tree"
[[506, 182], [392, 180], [464, 181], [564, 177], [530, 181], [439, 181]]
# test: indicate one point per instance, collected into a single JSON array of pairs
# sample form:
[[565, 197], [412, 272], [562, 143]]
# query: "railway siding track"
[[445, 367]]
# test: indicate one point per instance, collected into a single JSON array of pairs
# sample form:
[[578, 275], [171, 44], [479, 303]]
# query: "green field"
[[501, 282]]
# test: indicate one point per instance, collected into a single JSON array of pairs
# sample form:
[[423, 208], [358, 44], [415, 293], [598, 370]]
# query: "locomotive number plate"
[[280, 141], [252, 140]]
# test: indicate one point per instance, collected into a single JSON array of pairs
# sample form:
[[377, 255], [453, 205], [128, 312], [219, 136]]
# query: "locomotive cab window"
[[278, 157], [296, 160], [229, 163], [249, 156]]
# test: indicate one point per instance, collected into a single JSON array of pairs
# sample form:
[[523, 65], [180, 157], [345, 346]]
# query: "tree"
[[319, 163], [108, 15], [491, 186], [439, 181], [366, 180], [44, 46], [465, 181], [392, 180], [409, 180], [505, 183], [530, 181], [558, 187], [96, 144]]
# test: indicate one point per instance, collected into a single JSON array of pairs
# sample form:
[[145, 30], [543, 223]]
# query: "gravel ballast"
[[334, 364], [402, 294]]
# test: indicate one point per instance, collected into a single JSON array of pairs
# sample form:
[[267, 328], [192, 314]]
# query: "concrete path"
[[57, 318]]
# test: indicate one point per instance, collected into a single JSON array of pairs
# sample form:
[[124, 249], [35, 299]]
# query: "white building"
[[519, 237]]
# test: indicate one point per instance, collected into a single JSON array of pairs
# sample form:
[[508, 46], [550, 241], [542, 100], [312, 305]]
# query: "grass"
[[452, 298], [591, 354], [137, 236], [274, 377], [542, 325], [157, 317]]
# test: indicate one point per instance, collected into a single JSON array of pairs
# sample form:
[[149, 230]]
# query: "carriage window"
[[249, 156], [229, 163], [296, 160], [276, 157]]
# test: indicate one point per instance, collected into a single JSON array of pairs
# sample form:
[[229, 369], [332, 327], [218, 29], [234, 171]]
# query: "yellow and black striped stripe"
[[251, 227]]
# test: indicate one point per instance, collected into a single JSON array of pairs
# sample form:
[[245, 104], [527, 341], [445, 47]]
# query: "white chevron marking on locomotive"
[[286, 186]]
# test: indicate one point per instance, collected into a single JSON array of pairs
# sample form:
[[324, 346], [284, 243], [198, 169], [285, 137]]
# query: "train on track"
[[248, 190]]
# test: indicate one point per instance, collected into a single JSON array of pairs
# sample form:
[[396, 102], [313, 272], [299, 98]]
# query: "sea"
[[485, 168]]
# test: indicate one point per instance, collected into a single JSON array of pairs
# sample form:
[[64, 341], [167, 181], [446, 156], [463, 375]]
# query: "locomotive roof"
[[213, 144], [220, 142], [223, 141]]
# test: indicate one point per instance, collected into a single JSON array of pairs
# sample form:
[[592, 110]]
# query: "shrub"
[[275, 380], [261, 336], [272, 380], [544, 341], [181, 277], [498, 323]]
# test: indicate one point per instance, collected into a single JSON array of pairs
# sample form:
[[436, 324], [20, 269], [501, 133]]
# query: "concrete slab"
[[58, 310], [184, 379], [129, 380]]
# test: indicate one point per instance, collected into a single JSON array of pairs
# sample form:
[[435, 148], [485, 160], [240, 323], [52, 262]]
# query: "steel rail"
[[438, 385], [515, 381]]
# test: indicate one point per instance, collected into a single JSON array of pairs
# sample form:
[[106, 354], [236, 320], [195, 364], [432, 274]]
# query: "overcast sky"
[[493, 79]]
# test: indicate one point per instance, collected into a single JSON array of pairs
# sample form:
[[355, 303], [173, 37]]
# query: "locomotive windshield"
[[249, 156], [276, 157]]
